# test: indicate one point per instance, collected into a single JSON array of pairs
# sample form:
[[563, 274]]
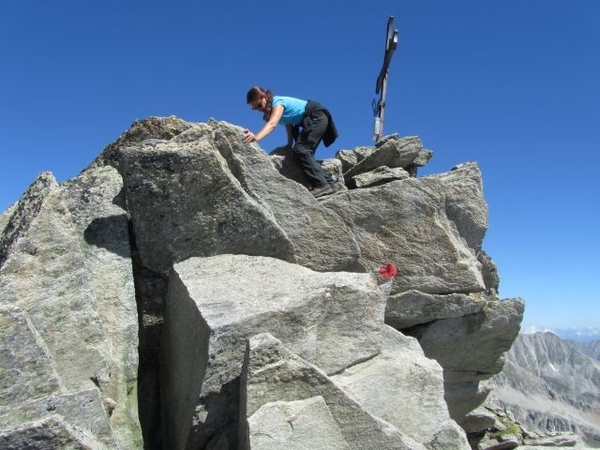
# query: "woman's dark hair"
[[255, 93]]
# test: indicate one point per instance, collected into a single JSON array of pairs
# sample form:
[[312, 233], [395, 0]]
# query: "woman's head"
[[260, 99]]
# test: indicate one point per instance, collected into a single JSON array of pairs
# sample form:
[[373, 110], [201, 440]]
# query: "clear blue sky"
[[511, 84]]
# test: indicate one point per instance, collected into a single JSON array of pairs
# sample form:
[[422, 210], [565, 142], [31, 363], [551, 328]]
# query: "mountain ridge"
[[550, 386], [577, 334]]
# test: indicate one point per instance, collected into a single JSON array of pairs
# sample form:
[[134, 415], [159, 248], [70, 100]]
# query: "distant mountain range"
[[591, 348], [551, 385], [585, 334]]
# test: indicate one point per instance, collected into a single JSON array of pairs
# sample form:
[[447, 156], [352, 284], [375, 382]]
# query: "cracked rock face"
[[259, 305], [217, 304], [68, 302]]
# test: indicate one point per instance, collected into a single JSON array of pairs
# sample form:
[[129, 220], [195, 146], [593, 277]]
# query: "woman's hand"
[[249, 136], [267, 128]]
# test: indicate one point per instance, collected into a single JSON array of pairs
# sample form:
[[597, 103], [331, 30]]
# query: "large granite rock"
[[235, 202], [407, 222], [483, 338], [50, 433], [392, 152], [67, 292], [224, 300], [414, 307], [273, 373], [375, 385], [16, 220], [295, 425], [217, 304], [79, 416]]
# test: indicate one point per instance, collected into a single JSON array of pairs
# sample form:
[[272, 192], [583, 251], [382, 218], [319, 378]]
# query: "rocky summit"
[[187, 291]]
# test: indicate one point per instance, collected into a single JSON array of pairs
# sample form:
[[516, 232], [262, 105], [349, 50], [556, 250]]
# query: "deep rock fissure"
[[150, 293]]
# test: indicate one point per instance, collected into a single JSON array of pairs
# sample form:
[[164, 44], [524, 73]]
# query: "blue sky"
[[511, 84]]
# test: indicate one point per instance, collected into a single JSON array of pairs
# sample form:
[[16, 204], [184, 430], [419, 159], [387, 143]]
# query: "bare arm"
[[267, 127]]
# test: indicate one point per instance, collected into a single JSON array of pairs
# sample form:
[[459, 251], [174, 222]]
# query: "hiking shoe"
[[322, 190]]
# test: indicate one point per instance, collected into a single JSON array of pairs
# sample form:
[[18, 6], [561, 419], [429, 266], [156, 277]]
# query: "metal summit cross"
[[391, 42]]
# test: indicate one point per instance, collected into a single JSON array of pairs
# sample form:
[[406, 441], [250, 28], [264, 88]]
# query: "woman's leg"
[[306, 144]]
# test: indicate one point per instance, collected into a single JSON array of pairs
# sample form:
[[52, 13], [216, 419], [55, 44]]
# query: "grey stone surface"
[[392, 152], [236, 202], [51, 433], [295, 425], [471, 348], [465, 205], [378, 176], [68, 270], [349, 158], [478, 420], [17, 223], [5, 218], [26, 371], [405, 222], [414, 307], [272, 372], [215, 304], [505, 442], [215, 216], [496, 326], [83, 410], [142, 130], [489, 270], [375, 383], [320, 237]]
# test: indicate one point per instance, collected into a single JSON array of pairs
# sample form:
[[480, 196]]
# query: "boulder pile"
[[186, 291]]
